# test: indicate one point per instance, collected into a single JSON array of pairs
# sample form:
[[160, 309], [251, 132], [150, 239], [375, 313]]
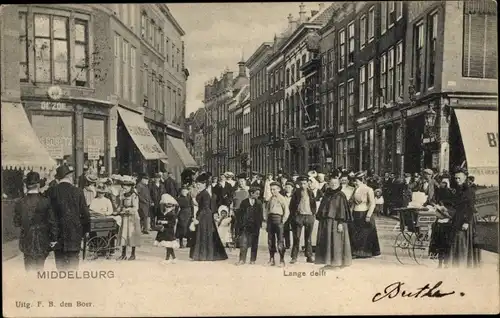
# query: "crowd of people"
[[209, 214]]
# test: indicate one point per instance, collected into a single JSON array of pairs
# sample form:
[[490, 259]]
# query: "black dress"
[[185, 216], [166, 234], [207, 243]]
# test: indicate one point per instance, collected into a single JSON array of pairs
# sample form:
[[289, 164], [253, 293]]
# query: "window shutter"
[[491, 64], [477, 45]]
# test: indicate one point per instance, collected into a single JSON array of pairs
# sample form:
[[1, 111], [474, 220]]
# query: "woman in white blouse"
[[362, 230]]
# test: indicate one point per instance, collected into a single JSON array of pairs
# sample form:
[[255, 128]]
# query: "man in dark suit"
[[145, 202], [156, 190], [170, 185], [39, 228], [302, 214], [223, 190], [73, 217], [249, 219]]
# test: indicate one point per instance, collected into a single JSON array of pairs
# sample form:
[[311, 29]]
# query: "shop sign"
[[56, 141], [93, 153], [55, 151], [54, 106]]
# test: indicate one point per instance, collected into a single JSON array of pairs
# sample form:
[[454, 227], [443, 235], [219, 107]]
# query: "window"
[[341, 50], [390, 76], [383, 79], [419, 55], [167, 50], [178, 59], [153, 89], [383, 17], [117, 74], [144, 22], [399, 70], [81, 53], [341, 104], [362, 31], [133, 88], [350, 59], [432, 35], [51, 49], [371, 72], [350, 104], [159, 94], [23, 42], [132, 16], [125, 80], [399, 10], [324, 67], [371, 24], [392, 13], [297, 65], [161, 42], [151, 32], [292, 79], [331, 61], [145, 81], [331, 109], [362, 88]]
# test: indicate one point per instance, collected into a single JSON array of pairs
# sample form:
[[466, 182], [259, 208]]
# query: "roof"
[[323, 16], [261, 49]]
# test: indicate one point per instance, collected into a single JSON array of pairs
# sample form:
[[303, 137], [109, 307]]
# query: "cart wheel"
[[402, 247], [420, 251], [112, 246], [95, 246]]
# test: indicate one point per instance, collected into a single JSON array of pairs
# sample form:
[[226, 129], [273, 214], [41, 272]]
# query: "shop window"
[[56, 134], [93, 144]]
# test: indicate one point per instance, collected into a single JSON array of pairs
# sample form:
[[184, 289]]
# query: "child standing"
[[224, 226], [379, 202], [165, 225]]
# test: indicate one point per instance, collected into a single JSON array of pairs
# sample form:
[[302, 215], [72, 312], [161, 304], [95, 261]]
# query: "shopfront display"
[[57, 135], [93, 144]]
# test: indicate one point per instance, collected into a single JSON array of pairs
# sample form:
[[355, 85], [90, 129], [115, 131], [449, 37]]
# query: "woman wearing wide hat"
[[207, 243], [362, 230], [130, 229]]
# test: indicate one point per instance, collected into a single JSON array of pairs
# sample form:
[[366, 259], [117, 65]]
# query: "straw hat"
[[101, 188], [128, 180], [168, 199]]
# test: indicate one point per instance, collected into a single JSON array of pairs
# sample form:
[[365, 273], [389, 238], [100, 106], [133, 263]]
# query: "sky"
[[218, 34]]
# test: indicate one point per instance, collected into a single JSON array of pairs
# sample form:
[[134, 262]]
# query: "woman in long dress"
[[130, 229], [463, 252], [207, 243], [185, 215], [333, 246], [362, 230]]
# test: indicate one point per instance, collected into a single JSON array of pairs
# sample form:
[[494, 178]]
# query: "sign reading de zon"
[[54, 106]]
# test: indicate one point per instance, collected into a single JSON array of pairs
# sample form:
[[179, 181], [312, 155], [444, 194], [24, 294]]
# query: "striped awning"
[[21, 148]]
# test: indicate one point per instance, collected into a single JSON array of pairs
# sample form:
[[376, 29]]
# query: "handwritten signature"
[[395, 289]]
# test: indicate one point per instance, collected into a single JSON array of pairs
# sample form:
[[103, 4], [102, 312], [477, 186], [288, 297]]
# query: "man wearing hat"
[[170, 185], [36, 219], [429, 186], [82, 180], [240, 194], [302, 214], [73, 217], [145, 202], [230, 178], [156, 190]]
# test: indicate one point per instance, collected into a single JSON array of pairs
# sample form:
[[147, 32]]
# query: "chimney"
[[321, 6], [313, 13], [242, 71], [302, 12], [290, 20]]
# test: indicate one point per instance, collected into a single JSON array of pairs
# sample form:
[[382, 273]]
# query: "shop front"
[[137, 146], [74, 132], [21, 151], [179, 157]]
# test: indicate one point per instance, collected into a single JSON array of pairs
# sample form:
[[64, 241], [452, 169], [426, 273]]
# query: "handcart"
[[412, 243], [102, 239]]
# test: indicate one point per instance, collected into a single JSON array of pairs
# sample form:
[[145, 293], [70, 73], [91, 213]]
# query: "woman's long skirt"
[[363, 236], [440, 240], [129, 233], [207, 245], [333, 248], [463, 252]]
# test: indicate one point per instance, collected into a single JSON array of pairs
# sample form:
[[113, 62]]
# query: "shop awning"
[[177, 147], [21, 148], [479, 131], [141, 135]]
